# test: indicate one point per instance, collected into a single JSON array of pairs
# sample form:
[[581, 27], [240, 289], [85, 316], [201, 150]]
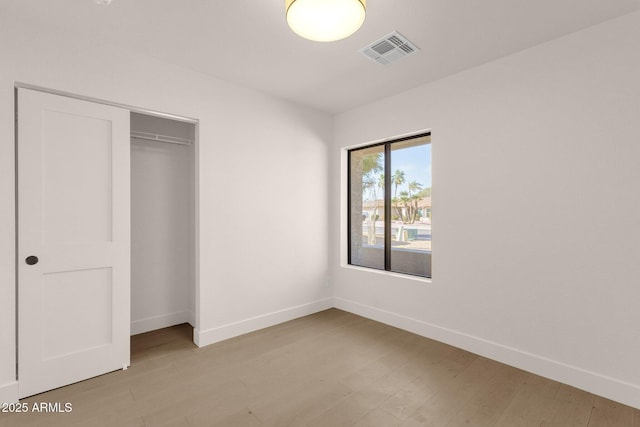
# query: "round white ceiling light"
[[325, 20]]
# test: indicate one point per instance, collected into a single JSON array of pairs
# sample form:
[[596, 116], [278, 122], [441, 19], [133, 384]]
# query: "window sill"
[[426, 280]]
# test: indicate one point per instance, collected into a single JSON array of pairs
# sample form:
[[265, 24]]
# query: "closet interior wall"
[[162, 224]]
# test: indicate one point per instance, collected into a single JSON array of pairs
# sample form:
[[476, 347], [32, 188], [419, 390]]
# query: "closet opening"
[[163, 222]]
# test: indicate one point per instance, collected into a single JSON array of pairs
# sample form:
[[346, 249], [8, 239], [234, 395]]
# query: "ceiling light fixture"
[[325, 20]]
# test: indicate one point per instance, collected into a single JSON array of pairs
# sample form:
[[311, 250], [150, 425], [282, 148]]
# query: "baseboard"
[[221, 333], [159, 322], [9, 392], [602, 385]]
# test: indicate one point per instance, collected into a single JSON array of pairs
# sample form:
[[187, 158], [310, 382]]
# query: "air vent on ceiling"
[[389, 48]]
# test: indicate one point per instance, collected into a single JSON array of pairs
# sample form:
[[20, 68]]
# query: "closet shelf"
[[160, 138]]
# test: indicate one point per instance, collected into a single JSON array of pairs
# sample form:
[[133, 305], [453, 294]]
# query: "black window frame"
[[387, 202]]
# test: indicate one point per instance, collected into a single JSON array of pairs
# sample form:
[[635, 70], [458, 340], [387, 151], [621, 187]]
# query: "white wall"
[[262, 161], [162, 226], [536, 210]]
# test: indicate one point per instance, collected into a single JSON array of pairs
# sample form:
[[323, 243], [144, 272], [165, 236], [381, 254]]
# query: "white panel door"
[[73, 240]]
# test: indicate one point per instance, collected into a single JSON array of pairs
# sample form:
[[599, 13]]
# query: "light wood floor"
[[329, 369]]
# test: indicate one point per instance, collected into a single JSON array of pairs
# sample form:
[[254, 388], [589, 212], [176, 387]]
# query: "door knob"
[[31, 260]]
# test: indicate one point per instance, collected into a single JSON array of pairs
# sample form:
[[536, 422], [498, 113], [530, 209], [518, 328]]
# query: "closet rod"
[[160, 138]]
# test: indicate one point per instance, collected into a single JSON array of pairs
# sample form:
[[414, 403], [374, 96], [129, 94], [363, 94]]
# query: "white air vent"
[[389, 49]]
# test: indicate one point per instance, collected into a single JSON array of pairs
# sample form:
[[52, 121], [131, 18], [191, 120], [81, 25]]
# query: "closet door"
[[73, 240]]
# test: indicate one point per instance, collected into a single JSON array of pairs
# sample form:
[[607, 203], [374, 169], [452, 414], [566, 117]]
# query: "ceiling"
[[248, 42]]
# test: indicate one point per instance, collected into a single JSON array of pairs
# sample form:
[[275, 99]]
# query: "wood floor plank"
[[243, 418], [453, 395], [572, 407], [220, 399], [491, 399], [606, 413], [328, 369], [533, 404], [348, 411], [378, 418], [299, 405], [407, 401], [430, 371]]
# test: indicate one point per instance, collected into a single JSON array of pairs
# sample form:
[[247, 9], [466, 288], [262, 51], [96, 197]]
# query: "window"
[[390, 206]]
